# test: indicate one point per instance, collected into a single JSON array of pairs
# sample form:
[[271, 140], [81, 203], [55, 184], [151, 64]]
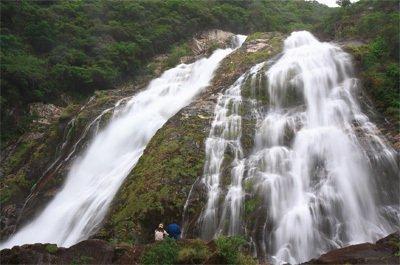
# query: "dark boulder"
[[384, 251]]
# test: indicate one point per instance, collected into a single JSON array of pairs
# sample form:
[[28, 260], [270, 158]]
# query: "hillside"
[[61, 51], [117, 116]]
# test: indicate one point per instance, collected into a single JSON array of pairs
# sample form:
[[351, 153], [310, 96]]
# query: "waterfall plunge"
[[78, 209], [323, 173]]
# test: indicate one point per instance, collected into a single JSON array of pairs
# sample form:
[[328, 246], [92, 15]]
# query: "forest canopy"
[[51, 48]]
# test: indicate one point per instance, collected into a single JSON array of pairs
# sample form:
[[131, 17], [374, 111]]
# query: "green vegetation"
[[174, 158], [164, 252], [194, 252], [82, 260], [377, 23], [228, 248], [51, 248], [176, 53], [174, 155], [50, 48]]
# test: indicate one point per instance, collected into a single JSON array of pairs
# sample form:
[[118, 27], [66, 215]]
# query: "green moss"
[[82, 260], [18, 156], [51, 248], [69, 112], [157, 188], [243, 259], [193, 252], [251, 205], [213, 46], [14, 186], [239, 61], [256, 35], [7, 193]]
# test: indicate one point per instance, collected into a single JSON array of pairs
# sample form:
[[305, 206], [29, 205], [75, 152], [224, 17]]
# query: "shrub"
[[195, 252], [51, 248], [177, 52], [164, 252], [243, 259], [228, 247]]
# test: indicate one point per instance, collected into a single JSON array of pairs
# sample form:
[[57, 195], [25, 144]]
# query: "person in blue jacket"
[[174, 230]]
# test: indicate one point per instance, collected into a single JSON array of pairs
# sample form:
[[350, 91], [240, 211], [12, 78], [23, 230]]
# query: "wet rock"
[[205, 40], [157, 188], [45, 113], [384, 251], [256, 45], [89, 251], [85, 252]]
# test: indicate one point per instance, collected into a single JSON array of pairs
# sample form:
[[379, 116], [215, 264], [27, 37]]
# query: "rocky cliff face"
[[157, 188], [92, 251], [384, 251], [34, 167]]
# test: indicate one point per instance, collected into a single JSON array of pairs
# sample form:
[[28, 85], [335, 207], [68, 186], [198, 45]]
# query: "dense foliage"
[[163, 252], [376, 23], [228, 247], [50, 48], [227, 250]]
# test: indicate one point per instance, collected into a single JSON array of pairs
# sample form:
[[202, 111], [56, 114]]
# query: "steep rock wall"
[[157, 188]]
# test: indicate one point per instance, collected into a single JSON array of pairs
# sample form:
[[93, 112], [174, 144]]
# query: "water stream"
[[96, 175], [320, 175]]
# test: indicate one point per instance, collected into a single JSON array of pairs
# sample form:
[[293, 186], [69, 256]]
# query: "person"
[[160, 233], [174, 230]]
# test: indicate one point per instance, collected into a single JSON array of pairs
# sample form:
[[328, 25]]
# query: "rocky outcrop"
[[387, 123], [203, 42], [384, 251], [85, 252], [34, 166], [201, 45], [44, 113], [157, 188]]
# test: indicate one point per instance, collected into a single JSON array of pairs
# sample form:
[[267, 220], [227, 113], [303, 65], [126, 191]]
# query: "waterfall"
[[95, 177], [223, 144], [310, 165], [320, 174]]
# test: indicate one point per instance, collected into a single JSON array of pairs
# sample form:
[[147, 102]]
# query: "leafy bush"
[[243, 259], [381, 76], [228, 248], [176, 53], [195, 252], [164, 252]]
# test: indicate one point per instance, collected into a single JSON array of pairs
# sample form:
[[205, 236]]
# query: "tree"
[[343, 3]]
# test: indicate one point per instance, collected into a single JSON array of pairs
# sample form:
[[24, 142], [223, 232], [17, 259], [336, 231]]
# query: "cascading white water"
[[225, 133], [318, 185], [225, 137], [323, 174], [94, 178]]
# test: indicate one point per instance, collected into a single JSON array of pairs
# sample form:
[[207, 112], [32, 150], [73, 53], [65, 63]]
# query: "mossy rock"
[[51, 248], [156, 189], [158, 186]]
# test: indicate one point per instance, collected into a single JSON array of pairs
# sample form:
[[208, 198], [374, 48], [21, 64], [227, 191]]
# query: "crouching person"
[[174, 231]]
